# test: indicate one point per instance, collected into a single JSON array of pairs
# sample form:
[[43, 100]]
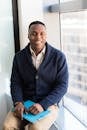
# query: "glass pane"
[[74, 41], [6, 55], [6, 44]]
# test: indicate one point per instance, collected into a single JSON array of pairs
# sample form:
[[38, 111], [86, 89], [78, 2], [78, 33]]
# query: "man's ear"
[[28, 35]]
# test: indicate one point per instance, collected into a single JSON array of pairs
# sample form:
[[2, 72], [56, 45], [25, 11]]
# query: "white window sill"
[[66, 121]]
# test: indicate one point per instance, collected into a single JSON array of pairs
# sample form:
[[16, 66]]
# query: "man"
[[39, 74]]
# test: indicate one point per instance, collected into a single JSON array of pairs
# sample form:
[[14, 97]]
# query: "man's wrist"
[[17, 103]]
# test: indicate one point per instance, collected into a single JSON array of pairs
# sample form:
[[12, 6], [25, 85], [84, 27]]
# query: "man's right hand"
[[19, 109]]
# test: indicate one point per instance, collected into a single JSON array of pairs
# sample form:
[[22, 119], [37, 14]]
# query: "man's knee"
[[11, 122], [9, 127], [6, 127], [35, 126]]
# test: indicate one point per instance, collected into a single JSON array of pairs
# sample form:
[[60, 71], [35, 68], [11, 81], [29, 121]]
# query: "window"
[[74, 43], [6, 42], [6, 53]]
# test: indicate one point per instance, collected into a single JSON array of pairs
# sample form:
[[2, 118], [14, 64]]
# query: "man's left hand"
[[36, 108]]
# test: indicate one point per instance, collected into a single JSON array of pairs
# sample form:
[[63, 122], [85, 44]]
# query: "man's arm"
[[16, 83], [60, 85], [16, 90]]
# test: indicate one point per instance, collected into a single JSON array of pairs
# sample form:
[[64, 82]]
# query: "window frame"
[[15, 25]]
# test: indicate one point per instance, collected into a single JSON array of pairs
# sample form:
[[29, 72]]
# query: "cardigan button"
[[37, 77]]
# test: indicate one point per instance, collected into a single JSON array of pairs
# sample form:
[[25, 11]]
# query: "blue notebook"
[[31, 117]]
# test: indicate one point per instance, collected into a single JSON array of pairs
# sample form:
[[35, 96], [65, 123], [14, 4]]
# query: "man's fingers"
[[21, 111], [26, 110], [33, 110]]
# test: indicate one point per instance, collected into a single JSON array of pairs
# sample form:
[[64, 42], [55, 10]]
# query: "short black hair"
[[36, 22]]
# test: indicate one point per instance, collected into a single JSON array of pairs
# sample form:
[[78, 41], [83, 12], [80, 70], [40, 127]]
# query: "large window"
[[74, 45], [6, 53], [9, 44], [6, 42]]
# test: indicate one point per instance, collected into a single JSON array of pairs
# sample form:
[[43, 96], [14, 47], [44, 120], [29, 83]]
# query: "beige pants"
[[13, 123]]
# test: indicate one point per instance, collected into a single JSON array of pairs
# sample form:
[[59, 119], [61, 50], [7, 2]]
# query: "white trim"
[[70, 6]]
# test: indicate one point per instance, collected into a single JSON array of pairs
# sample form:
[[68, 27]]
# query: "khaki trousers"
[[13, 123]]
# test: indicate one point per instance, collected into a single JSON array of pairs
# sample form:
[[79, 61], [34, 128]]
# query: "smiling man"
[[40, 74]]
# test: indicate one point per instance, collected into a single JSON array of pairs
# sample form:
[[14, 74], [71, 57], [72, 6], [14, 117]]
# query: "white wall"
[[29, 10], [52, 22]]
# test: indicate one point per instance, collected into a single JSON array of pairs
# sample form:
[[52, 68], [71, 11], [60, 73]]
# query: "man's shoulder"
[[56, 51], [22, 52]]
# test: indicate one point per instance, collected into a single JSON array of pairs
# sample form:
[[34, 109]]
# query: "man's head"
[[37, 35]]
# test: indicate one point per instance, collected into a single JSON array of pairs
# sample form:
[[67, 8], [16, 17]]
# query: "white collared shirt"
[[37, 60]]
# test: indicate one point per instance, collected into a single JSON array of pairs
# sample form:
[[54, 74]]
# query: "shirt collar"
[[42, 52]]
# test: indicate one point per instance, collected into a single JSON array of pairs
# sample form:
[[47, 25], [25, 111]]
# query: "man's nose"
[[38, 36]]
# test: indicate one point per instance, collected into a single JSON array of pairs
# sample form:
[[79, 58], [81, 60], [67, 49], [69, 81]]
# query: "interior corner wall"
[[28, 11]]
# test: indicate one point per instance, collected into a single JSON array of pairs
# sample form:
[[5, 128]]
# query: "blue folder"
[[31, 117]]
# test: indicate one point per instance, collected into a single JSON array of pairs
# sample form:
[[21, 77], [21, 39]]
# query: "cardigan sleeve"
[[60, 86], [16, 83]]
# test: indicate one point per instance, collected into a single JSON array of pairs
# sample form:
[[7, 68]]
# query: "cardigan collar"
[[47, 56]]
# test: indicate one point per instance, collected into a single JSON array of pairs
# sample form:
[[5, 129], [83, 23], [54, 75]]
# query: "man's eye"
[[34, 34], [42, 34]]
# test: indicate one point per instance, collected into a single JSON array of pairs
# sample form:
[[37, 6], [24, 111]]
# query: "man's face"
[[37, 36]]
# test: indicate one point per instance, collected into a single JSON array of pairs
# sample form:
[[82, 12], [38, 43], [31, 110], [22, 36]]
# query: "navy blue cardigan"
[[47, 85]]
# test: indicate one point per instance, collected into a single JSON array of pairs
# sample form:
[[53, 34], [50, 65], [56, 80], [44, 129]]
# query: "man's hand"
[[19, 109], [36, 108]]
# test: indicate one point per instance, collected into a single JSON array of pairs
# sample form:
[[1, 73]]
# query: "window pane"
[[6, 43], [74, 41], [6, 55]]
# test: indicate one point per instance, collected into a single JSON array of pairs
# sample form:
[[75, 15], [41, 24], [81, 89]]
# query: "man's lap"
[[12, 122]]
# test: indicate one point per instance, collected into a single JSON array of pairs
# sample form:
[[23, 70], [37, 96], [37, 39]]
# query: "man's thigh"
[[45, 123], [11, 122]]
